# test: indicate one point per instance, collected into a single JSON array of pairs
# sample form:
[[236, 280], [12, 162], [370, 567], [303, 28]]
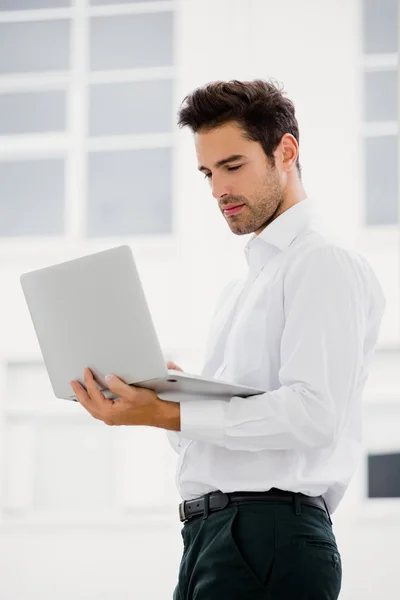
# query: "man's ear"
[[289, 151]]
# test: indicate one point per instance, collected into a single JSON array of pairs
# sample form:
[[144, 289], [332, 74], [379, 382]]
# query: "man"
[[260, 476]]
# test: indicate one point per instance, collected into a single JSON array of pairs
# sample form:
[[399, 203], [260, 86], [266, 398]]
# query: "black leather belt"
[[219, 500]]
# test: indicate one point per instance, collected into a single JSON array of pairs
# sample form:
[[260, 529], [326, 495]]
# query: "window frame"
[[75, 143]]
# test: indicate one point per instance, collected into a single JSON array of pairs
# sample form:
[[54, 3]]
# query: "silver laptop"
[[92, 312]]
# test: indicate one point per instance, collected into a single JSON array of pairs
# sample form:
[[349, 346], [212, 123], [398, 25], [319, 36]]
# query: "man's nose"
[[219, 188]]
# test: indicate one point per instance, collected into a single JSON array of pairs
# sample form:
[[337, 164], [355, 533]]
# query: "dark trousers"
[[260, 549]]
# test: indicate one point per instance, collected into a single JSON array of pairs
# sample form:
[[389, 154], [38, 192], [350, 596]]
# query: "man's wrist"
[[167, 415]]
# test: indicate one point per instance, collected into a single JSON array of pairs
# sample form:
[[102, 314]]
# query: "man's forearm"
[[168, 415]]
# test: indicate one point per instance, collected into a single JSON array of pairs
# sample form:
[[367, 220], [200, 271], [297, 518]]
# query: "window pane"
[[34, 46], [381, 180], [122, 108], [130, 41], [130, 192], [381, 96], [383, 475], [103, 2], [31, 4], [32, 112], [32, 198], [73, 470], [380, 26]]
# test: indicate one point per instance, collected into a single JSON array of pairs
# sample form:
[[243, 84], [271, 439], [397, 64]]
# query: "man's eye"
[[208, 175]]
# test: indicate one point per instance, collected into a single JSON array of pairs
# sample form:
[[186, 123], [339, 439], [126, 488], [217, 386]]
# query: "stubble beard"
[[259, 214]]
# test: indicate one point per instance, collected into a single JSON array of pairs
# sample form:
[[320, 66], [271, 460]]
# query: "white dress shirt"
[[302, 325]]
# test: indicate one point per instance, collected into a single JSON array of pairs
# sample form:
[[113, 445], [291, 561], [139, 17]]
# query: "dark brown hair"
[[258, 106]]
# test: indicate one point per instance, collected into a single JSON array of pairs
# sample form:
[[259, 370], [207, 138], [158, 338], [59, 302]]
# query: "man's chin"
[[238, 229]]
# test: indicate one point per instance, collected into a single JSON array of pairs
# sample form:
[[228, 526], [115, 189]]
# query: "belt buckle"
[[182, 515]]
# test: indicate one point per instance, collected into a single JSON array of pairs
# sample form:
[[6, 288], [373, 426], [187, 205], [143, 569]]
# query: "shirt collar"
[[279, 234]]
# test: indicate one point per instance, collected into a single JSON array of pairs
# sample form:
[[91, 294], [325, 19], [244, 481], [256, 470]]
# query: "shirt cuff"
[[204, 420]]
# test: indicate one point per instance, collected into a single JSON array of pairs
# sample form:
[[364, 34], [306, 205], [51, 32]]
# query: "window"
[[86, 152], [381, 138], [35, 46], [381, 97], [32, 197], [131, 41], [380, 26], [86, 88], [33, 4], [384, 475], [131, 108], [103, 2], [381, 161], [32, 112], [129, 192], [57, 461]]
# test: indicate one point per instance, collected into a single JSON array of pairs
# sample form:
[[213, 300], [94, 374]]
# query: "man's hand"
[[172, 365], [134, 405]]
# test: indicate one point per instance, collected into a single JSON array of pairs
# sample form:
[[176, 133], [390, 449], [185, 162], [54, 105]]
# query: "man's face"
[[240, 173]]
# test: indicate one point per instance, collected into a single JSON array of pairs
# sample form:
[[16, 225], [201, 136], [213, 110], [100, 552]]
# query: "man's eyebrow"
[[223, 162]]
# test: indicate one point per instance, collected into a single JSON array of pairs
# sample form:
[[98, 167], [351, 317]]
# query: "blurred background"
[[91, 158]]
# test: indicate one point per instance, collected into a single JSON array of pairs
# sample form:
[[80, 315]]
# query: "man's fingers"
[[172, 365]]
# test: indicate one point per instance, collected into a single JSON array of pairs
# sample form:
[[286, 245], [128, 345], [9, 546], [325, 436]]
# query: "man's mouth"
[[233, 210]]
